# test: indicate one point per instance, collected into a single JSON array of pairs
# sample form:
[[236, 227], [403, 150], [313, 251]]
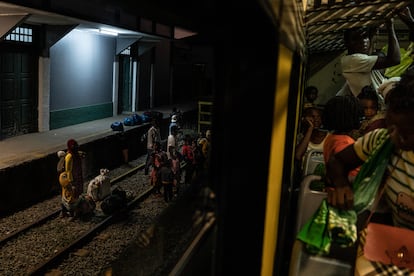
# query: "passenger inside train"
[[342, 115], [149, 65], [360, 67], [368, 152], [312, 136], [372, 117], [311, 94], [396, 196]]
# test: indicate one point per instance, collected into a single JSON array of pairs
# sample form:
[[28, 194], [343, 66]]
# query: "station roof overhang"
[[12, 16], [317, 26], [307, 26]]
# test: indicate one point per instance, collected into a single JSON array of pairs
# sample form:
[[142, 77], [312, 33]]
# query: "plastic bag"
[[370, 176]]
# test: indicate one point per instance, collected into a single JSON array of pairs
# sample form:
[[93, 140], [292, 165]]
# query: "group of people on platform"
[[351, 125], [166, 170], [162, 165]]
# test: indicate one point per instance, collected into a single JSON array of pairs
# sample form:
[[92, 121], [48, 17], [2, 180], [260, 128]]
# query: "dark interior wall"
[[81, 66], [162, 73], [144, 84]]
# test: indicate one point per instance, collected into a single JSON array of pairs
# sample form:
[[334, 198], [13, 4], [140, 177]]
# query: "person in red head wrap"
[[71, 179], [73, 165]]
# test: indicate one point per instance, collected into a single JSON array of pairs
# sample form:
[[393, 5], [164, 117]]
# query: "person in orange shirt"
[[342, 115]]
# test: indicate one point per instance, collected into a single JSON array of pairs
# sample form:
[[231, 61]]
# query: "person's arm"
[[337, 170], [303, 144], [69, 166], [406, 16], [393, 56]]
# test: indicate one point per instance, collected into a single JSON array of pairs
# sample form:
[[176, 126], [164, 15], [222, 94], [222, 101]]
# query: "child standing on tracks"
[[176, 170], [166, 176], [188, 156], [153, 136], [157, 158], [172, 141]]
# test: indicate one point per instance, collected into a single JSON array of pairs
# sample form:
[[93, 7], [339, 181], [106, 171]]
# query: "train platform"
[[28, 162], [27, 147]]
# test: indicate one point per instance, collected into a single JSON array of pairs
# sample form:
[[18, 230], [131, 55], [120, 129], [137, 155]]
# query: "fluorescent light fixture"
[[108, 32]]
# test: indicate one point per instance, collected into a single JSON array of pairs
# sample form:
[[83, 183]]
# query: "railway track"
[[43, 267], [54, 213], [43, 227], [58, 254]]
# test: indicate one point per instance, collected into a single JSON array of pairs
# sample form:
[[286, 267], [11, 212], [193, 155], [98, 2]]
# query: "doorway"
[[18, 92]]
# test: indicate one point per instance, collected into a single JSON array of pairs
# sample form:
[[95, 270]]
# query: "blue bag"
[[128, 121], [117, 126], [137, 119], [145, 118]]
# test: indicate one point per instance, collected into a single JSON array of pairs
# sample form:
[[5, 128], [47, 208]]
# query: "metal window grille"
[[21, 34]]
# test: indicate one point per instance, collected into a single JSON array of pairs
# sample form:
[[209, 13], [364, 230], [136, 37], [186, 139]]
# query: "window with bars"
[[126, 51], [21, 34]]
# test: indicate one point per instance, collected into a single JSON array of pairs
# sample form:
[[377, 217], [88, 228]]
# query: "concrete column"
[[44, 94]]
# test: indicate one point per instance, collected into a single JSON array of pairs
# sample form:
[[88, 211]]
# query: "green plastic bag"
[[314, 232], [406, 61], [329, 225], [369, 179]]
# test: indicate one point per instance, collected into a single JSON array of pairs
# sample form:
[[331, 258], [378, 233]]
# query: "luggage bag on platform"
[[100, 187]]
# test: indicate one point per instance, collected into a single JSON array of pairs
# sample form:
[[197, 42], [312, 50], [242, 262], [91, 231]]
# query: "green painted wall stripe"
[[68, 117]]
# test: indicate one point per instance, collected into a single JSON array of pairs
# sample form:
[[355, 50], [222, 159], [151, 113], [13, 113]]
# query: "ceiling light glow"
[[108, 32]]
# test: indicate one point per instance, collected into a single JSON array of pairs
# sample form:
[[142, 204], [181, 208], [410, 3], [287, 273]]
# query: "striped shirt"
[[399, 190]]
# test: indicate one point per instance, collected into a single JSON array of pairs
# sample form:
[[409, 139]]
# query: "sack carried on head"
[[61, 164]]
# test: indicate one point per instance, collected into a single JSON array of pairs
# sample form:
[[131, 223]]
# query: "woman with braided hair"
[[341, 118]]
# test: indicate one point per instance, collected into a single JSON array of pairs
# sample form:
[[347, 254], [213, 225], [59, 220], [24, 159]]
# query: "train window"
[[21, 34]]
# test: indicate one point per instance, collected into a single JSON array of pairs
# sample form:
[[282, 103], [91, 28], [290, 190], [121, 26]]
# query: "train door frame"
[[281, 199]]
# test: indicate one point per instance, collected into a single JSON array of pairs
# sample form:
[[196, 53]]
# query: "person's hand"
[[389, 23], [308, 122], [406, 16], [341, 197]]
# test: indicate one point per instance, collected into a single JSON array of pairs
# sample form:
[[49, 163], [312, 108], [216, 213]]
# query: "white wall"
[[328, 80]]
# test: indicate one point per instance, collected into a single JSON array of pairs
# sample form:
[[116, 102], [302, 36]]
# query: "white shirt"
[[153, 135], [358, 72], [170, 143]]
